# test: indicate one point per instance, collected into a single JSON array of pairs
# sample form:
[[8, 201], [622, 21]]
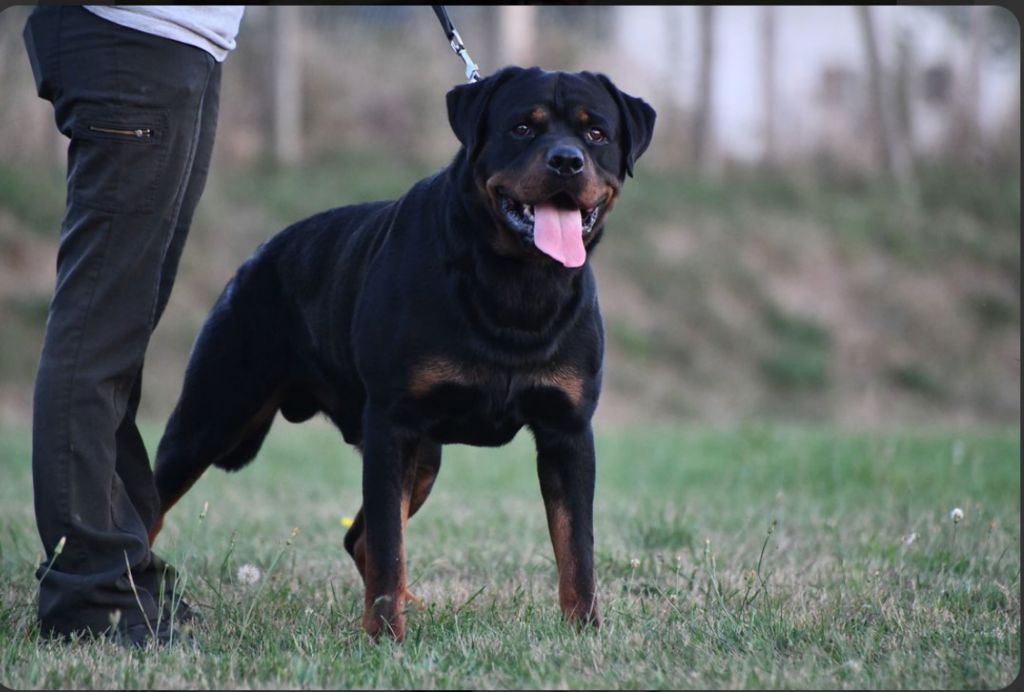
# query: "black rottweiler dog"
[[458, 313]]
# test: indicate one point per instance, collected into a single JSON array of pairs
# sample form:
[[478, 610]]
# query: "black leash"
[[455, 41]]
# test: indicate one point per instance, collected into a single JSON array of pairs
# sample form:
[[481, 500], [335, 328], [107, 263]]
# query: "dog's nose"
[[565, 160]]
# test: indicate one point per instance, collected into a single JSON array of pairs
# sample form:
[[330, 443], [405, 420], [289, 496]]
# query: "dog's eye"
[[596, 135], [522, 130]]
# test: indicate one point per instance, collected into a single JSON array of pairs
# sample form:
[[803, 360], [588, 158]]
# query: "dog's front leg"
[[565, 464], [385, 478]]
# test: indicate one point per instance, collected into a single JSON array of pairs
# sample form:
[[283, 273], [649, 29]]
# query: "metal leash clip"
[[455, 41], [472, 72]]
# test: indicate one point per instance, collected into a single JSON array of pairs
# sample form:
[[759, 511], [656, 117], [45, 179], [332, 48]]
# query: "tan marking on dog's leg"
[[158, 525], [560, 529], [425, 477]]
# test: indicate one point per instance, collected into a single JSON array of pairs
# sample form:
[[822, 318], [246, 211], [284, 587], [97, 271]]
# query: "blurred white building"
[[821, 72]]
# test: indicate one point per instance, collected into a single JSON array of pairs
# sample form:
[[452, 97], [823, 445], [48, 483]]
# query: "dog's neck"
[[513, 302]]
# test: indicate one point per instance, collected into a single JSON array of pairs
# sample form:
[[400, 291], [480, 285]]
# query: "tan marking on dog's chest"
[[437, 371], [564, 378]]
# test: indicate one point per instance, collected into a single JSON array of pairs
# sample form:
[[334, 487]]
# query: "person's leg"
[[193, 191], [138, 477], [132, 105], [132, 460]]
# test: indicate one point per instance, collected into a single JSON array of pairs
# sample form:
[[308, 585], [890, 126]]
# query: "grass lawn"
[[864, 581]]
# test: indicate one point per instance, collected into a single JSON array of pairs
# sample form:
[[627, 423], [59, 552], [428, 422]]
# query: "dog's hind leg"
[[232, 391], [427, 458]]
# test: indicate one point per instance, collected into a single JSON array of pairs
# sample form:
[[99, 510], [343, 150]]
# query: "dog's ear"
[[637, 123], [467, 107]]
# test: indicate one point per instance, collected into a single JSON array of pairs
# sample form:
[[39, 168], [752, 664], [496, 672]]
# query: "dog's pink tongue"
[[559, 233]]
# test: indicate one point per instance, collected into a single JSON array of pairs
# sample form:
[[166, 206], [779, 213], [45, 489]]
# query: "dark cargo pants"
[[140, 112]]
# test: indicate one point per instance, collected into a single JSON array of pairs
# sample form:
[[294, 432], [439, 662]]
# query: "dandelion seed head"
[[634, 563], [957, 515], [248, 574], [910, 538]]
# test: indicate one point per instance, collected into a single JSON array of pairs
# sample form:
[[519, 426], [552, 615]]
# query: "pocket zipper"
[[140, 133]]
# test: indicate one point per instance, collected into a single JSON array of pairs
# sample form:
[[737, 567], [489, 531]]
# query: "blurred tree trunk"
[[904, 97], [967, 91], [489, 53], [287, 80], [891, 152], [672, 119], [770, 153], [517, 32], [702, 130], [883, 150]]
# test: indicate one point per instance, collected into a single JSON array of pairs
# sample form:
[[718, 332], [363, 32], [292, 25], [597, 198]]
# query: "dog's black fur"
[[427, 320]]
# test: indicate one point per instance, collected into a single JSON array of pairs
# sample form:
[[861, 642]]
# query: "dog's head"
[[548, 153]]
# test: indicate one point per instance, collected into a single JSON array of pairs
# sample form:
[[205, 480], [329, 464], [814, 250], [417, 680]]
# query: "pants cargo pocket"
[[116, 159]]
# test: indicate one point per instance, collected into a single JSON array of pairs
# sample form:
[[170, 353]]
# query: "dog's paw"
[[382, 619]]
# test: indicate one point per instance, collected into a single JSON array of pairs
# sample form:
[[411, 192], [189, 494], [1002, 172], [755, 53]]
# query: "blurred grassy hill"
[[817, 291], [748, 295]]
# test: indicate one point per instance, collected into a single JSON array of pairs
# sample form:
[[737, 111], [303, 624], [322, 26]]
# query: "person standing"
[[136, 90]]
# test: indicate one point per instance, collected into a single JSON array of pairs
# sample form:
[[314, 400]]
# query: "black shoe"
[[140, 636], [181, 613]]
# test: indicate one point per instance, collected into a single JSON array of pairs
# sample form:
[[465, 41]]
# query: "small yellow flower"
[[347, 521]]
